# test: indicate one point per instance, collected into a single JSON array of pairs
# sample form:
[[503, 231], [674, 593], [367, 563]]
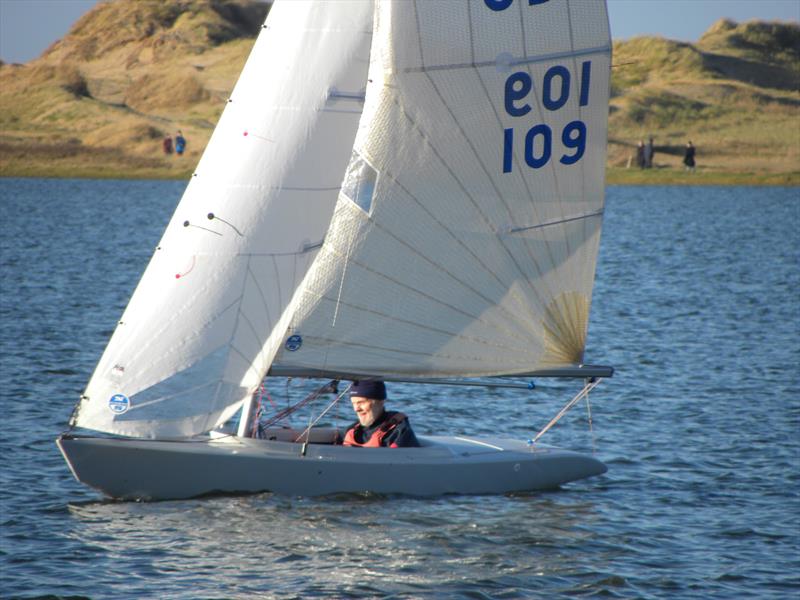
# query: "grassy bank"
[[668, 176], [96, 168], [99, 102]]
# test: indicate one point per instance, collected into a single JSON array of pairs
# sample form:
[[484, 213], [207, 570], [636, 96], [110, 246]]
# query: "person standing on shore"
[[640, 155], [180, 143], [166, 144], [649, 152], [688, 156]]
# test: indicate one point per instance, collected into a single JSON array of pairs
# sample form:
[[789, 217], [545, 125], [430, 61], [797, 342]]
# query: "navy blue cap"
[[374, 390]]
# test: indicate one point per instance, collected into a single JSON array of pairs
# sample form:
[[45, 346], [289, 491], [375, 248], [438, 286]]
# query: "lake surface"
[[697, 305]]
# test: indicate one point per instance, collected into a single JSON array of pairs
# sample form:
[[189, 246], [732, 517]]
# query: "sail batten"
[[507, 61]]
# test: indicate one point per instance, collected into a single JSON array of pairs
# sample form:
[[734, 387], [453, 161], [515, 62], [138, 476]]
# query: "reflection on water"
[[413, 542]]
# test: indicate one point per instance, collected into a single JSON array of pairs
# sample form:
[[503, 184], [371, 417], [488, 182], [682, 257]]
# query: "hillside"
[[128, 73], [734, 94], [99, 102]]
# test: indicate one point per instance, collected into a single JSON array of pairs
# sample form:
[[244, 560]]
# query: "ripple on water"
[[698, 428]]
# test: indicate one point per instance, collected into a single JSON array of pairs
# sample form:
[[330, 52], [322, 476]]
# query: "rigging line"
[[597, 213], [591, 427], [590, 385], [335, 402], [294, 407]]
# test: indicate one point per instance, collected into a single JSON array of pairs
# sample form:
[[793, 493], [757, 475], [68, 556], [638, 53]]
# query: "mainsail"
[[189, 347], [465, 237]]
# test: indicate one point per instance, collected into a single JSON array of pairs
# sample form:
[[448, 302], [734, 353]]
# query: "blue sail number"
[[498, 5], [538, 140]]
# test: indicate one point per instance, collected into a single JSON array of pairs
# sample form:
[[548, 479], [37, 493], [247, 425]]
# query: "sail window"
[[359, 182]]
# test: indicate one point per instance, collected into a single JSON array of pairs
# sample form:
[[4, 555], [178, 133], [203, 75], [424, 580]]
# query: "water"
[[696, 304]]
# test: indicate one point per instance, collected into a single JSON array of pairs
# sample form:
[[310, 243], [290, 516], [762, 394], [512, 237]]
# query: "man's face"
[[367, 409]]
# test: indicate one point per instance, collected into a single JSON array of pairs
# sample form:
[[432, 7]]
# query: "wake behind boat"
[[410, 191]]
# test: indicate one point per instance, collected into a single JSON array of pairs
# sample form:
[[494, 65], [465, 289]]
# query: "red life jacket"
[[377, 437]]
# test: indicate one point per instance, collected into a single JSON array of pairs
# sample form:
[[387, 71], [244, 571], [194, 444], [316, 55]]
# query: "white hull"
[[160, 470]]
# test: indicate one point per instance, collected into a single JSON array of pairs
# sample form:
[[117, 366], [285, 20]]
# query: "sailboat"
[[399, 190]]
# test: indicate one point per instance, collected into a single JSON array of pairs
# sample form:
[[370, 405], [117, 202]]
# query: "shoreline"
[[614, 175]]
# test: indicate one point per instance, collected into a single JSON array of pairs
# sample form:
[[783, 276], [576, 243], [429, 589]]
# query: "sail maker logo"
[[119, 403], [294, 343]]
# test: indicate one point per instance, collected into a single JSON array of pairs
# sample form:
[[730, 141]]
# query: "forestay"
[[188, 348], [465, 238]]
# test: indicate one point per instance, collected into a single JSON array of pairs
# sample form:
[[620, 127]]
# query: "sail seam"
[[144, 349], [469, 195], [419, 325], [490, 179], [454, 357], [263, 299], [509, 331], [489, 301]]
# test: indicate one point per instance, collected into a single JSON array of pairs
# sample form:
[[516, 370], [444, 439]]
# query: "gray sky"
[[28, 27]]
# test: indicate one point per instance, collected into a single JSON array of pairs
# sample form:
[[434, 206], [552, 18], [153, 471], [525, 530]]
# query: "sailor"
[[376, 426]]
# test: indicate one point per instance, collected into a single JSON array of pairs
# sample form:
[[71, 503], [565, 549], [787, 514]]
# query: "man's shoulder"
[[396, 415]]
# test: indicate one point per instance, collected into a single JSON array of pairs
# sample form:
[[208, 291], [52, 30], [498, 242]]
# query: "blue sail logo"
[[119, 403], [293, 343]]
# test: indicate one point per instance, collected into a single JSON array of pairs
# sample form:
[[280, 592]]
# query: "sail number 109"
[[537, 142]]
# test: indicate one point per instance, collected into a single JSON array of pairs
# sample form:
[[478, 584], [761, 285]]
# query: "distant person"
[[166, 144], [180, 143], [640, 154], [649, 153], [375, 426], [688, 156]]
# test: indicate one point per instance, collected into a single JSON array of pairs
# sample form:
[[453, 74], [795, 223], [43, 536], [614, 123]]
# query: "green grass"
[[666, 176]]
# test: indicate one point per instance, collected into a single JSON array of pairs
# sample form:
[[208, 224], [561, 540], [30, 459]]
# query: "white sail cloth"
[[188, 348], [465, 238]]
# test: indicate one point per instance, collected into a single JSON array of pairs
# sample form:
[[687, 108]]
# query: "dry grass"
[[132, 71], [742, 115]]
